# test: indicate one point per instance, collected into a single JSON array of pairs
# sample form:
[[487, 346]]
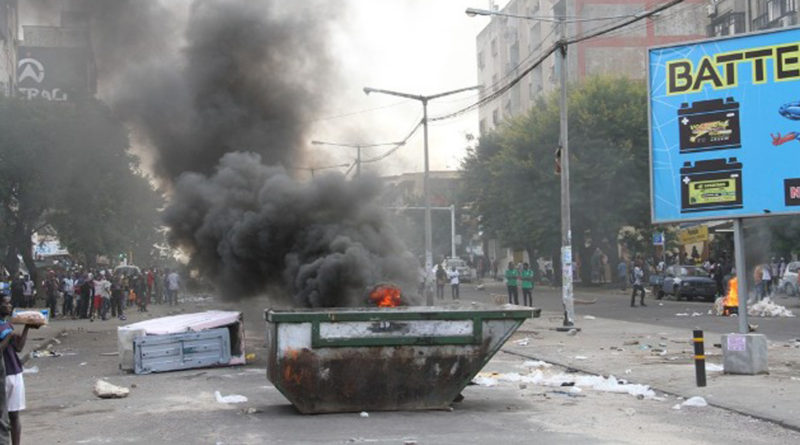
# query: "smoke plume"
[[222, 91]]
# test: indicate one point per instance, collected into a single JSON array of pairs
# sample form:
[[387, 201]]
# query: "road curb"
[[672, 393]]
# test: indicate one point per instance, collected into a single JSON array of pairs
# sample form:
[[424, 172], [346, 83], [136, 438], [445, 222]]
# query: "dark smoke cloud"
[[250, 225], [248, 76], [203, 82]]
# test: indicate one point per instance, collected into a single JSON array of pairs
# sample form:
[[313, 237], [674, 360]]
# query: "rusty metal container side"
[[383, 359]]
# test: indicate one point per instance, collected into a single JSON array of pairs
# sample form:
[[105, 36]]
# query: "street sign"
[[658, 238], [725, 127]]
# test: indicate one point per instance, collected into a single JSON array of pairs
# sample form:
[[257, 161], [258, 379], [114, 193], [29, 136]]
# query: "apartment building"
[[507, 46], [728, 17]]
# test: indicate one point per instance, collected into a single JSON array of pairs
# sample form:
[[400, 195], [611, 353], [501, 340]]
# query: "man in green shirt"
[[527, 285], [511, 281]]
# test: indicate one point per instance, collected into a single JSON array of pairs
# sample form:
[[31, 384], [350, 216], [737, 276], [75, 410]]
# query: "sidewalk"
[[661, 357]]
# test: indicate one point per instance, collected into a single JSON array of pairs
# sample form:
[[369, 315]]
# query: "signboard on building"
[[725, 127], [52, 73], [658, 238], [691, 235]]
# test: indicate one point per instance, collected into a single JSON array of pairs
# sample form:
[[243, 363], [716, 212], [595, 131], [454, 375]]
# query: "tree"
[[510, 176], [67, 166]]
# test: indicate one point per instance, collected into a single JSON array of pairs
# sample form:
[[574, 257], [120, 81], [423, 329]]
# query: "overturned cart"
[[368, 359]]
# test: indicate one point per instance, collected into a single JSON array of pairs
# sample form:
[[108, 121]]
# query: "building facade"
[[507, 46], [9, 29], [728, 17]]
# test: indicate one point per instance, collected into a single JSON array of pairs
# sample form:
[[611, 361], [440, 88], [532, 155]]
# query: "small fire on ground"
[[730, 304], [385, 295]]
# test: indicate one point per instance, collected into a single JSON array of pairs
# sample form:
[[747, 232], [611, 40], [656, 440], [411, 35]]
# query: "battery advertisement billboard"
[[725, 127]]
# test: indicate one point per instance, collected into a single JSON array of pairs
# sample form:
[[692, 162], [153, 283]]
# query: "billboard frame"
[[650, 131]]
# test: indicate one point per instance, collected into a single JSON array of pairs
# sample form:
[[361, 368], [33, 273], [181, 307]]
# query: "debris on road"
[[682, 314], [31, 370], [364, 414], [589, 317], [45, 353], [535, 364], [233, 398], [549, 377], [522, 342], [109, 354], [713, 367], [768, 308], [106, 390], [695, 401]]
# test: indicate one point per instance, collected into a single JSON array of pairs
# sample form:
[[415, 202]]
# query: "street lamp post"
[[425, 178], [358, 148], [566, 230]]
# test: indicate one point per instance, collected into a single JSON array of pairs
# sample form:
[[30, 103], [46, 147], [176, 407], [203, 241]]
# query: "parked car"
[[788, 283], [688, 282], [464, 271]]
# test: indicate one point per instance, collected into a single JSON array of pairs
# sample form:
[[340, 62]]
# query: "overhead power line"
[[553, 48]]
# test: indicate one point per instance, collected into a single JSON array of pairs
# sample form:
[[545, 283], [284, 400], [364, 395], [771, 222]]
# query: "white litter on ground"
[[522, 342], [364, 414], [589, 317], [696, 314], [695, 401], [581, 357], [31, 370], [535, 364], [682, 314], [768, 308], [233, 398], [549, 377], [714, 367]]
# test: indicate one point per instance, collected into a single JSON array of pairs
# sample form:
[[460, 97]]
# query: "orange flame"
[[732, 299], [384, 295]]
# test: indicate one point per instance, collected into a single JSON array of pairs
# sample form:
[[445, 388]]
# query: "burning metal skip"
[[382, 358]]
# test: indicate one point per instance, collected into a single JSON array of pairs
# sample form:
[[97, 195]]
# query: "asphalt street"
[[181, 408]]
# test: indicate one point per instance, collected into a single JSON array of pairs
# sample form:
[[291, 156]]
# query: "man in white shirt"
[[453, 275], [173, 285]]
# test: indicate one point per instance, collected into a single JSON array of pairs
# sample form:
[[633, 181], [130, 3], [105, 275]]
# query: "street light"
[[566, 225], [358, 147], [425, 184]]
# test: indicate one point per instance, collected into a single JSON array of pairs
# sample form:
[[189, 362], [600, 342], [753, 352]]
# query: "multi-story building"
[[732, 16], [507, 46], [9, 26], [56, 62]]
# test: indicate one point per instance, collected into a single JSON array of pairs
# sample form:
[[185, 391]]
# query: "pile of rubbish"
[[768, 308], [544, 375]]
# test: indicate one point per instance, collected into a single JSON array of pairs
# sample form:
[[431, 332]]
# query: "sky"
[[412, 46]]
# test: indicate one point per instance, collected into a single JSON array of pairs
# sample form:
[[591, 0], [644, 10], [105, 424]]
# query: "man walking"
[[638, 277], [11, 343], [526, 276], [511, 282]]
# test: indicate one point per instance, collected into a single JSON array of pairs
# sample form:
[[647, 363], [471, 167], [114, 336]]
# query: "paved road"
[[615, 304]]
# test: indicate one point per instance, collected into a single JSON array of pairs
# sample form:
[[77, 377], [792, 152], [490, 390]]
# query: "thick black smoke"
[[223, 91], [250, 225]]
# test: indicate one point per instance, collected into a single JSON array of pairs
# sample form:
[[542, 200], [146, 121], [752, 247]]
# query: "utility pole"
[[566, 230], [358, 148]]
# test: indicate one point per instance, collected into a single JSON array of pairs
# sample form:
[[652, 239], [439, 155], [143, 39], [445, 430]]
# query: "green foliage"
[[510, 176], [67, 166]]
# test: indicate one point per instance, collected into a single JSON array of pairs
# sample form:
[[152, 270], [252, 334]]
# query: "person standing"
[[526, 276], [173, 285], [638, 277], [17, 290], [11, 343], [27, 292], [441, 279], [454, 276], [622, 274], [511, 282], [68, 289]]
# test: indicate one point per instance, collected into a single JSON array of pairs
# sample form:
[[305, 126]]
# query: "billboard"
[[52, 73], [725, 127]]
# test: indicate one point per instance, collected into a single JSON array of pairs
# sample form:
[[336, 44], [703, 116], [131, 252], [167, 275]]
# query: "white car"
[[464, 271], [788, 283]]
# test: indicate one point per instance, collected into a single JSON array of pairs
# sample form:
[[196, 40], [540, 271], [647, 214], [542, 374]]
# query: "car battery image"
[[712, 184], [709, 125]]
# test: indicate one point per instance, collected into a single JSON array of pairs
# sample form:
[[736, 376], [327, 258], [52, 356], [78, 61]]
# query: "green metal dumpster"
[[381, 359]]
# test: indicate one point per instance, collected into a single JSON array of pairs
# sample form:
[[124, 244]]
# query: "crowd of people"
[[96, 293]]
